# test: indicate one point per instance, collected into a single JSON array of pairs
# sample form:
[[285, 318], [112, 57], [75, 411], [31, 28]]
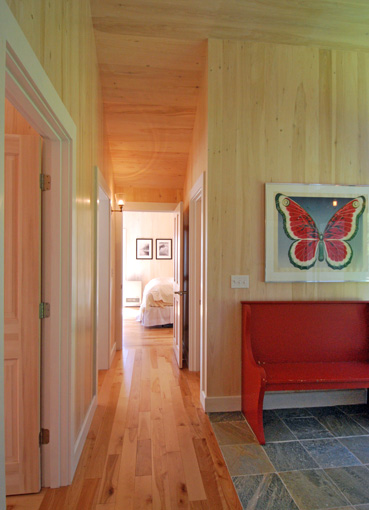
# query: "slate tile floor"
[[313, 459]]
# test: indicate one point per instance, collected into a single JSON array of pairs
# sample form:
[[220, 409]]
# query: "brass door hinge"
[[45, 182], [44, 436], [44, 310]]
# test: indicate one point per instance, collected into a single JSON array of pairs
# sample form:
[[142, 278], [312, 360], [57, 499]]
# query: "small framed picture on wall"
[[163, 248], [143, 249]]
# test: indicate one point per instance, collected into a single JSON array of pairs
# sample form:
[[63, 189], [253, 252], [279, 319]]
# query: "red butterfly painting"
[[309, 244]]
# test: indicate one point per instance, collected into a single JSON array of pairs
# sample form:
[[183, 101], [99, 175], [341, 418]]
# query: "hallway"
[[150, 444]]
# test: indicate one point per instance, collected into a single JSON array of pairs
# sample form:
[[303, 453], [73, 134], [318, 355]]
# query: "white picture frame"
[[320, 202]]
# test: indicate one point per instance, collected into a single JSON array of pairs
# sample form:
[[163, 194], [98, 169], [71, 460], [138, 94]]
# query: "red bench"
[[301, 345]]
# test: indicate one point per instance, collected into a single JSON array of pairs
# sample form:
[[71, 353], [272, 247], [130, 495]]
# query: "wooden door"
[[178, 283], [21, 313]]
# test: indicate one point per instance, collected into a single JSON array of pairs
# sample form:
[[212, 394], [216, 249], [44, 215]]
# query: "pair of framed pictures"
[[144, 249]]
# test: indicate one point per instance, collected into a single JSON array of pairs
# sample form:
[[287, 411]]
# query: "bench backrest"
[[305, 331]]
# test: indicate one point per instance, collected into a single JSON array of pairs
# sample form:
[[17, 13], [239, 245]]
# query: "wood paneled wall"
[[198, 155], [147, 225], [61, 35], [276, 114]]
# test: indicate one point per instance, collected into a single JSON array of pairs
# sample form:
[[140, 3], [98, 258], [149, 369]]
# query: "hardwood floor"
[[150, 445]]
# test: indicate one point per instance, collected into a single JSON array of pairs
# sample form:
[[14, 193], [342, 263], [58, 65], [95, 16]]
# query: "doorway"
[[24, 83], [197, 351], [146, 271], [22, 288]]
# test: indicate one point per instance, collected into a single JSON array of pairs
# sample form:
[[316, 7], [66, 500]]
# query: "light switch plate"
[[240, 281]]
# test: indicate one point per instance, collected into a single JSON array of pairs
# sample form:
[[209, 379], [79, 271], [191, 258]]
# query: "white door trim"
[[196, 272], [103, 288], [24, 82]]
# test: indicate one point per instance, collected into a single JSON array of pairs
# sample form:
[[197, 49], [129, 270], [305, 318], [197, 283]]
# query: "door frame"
[[121, 256], [102, 184], [196, 271], [24, 82]]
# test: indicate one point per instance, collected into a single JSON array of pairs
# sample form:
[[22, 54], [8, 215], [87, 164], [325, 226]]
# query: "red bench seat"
[[301, 345]]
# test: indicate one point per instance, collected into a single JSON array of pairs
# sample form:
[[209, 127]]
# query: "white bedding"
[[157, 302]]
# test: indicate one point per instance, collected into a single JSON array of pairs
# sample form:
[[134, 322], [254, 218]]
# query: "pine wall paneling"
[[61, 35], [277, 113], [196, 165]]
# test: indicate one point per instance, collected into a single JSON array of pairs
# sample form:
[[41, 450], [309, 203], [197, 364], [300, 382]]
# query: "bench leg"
[[252, 405]]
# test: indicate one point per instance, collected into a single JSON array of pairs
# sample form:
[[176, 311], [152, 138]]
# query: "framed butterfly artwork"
[[316, 233]]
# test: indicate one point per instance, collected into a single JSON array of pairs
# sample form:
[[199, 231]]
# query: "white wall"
[[103, 282], [152, 225]]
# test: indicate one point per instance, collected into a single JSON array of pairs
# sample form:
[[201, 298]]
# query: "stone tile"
[[313, 489], [233, 432], [263, 492], [275, 429], [231, 416], [326, 411], [359, 446], [362, 420], [330, 453], [289, 456], [292, 413], [307, 428], [342, 425], [355, 409], [246, 459], [353, 482]]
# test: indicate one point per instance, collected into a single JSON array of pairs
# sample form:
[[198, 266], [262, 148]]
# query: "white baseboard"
[[220, 404], [288, 399], [80, 442]]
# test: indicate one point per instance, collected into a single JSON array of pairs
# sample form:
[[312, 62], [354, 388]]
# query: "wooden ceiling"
[[151, 55]]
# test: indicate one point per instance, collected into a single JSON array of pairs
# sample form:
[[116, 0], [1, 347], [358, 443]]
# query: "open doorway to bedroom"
[[147, 278]]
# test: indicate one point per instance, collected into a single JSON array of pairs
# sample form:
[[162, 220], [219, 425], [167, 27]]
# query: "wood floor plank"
[[143, 462], [177, 481], [96, 465], [55, 499], [223, 476], [126, 481], [154, 358], [88, 497], [109, 481], [156, 401], [160, 478], [201, 505], [134, 396], [208, 474], [26, 502], [180, 415], [143, 493], [194, 483], [144, 425]]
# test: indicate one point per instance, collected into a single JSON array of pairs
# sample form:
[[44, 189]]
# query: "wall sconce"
[[120, 205]]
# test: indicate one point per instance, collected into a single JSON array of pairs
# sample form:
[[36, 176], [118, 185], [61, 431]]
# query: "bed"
[[157, 303]]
